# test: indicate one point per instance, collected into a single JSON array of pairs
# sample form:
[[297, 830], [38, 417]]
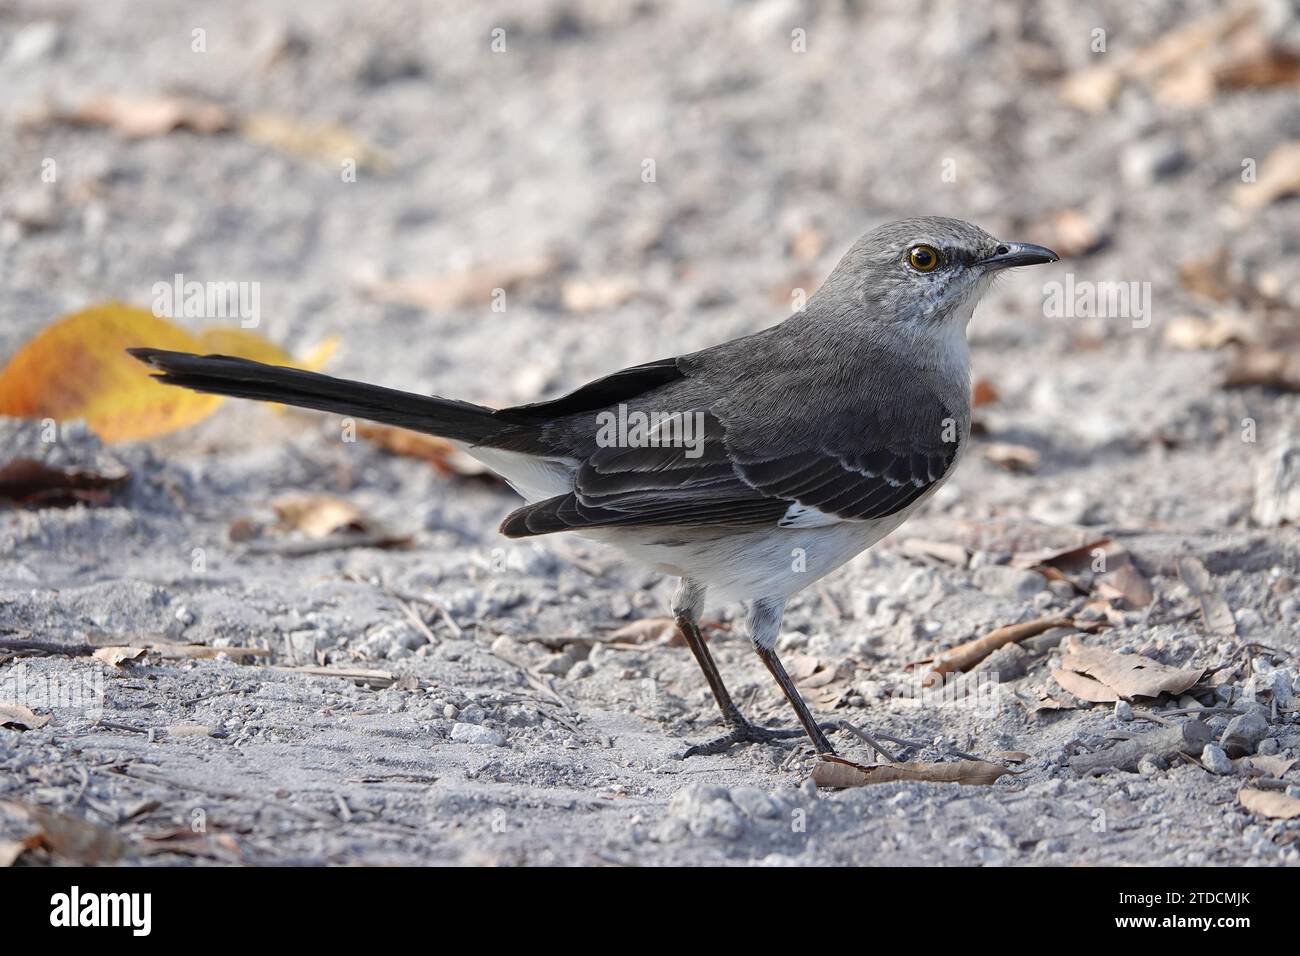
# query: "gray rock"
[[1277, 484], [477, 734], [1243, 734], [1146, 162], [1123, 710], [755, 803], [1009, 582], [580, 670], [707, 811], [34, 42], [1149, 766], [1268, 747], [1215, 760]]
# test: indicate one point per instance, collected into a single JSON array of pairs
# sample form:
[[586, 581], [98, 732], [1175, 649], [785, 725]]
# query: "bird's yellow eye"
[[923, 258]]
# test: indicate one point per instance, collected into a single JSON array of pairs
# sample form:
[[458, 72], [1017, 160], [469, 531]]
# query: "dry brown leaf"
[[218, 846], [1128, 675], [983, 392], [330, 142], [1084, 688], [1278, 176], [11, 850], [1011, 456], [1208, 277], [598, 294], [945, 551], [439, 452], [375, 679], [1045, 701], [1124, 582], [189, 730], [807, 243], [18, 717], [1199, 333], [836, 773], [203, 651], [1269, 803], [1097, 614], [1263, 765], [1265, 367], [965, 656], [1185, 46], [72, 838], [1178, 66], [1075, 557], [116, 656], [1257, 63], [318, 516], [27, 483], [1074, 233], [470, 287], [1215, 612], [645, 630], [1092, 89], [1187, 87], [1011, 756], [140, 116]]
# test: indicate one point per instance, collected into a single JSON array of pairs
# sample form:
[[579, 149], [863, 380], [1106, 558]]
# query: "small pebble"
[[580, 670], [1123, 710], [1243, 734], [1215, 760], [477, 734]]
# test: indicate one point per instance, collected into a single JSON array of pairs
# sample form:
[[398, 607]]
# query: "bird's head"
[[928, 271]]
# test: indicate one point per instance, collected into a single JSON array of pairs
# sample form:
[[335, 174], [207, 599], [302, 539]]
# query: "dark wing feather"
[[621, 386], [728, 485]]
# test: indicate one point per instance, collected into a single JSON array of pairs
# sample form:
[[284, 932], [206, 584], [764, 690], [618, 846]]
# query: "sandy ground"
[[512, 731]]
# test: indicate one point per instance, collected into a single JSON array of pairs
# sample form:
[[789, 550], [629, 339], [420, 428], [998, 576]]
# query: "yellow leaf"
[[244, 344], [330, 142], [78, 368]]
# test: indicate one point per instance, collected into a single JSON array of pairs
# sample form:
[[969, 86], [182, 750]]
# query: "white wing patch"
[[803, 516], [532, 477]]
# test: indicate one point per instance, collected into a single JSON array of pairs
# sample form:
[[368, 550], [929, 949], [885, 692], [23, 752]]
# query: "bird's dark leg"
[[764, 627], [688, 604]]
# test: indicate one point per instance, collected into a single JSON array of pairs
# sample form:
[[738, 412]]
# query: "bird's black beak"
[[1008, 255]]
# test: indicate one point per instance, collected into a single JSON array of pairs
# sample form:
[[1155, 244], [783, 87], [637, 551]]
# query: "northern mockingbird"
[[749, 469]]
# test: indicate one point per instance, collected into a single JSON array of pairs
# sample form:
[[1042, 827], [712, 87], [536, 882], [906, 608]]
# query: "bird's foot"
[[741, 734]]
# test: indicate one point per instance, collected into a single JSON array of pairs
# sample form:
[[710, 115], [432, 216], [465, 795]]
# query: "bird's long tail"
[[242, 378]]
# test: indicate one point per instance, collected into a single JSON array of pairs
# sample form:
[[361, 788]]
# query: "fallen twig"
[[1189, 737], [967, 655]]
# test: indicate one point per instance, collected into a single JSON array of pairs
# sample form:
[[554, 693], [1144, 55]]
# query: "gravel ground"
[[513, 729]]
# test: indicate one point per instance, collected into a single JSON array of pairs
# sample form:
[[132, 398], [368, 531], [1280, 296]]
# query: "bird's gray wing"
[[857, 469]]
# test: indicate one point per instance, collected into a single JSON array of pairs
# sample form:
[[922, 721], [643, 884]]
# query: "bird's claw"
[[741, 734]]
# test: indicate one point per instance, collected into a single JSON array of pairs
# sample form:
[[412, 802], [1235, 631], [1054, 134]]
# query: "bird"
[[748, 469]]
